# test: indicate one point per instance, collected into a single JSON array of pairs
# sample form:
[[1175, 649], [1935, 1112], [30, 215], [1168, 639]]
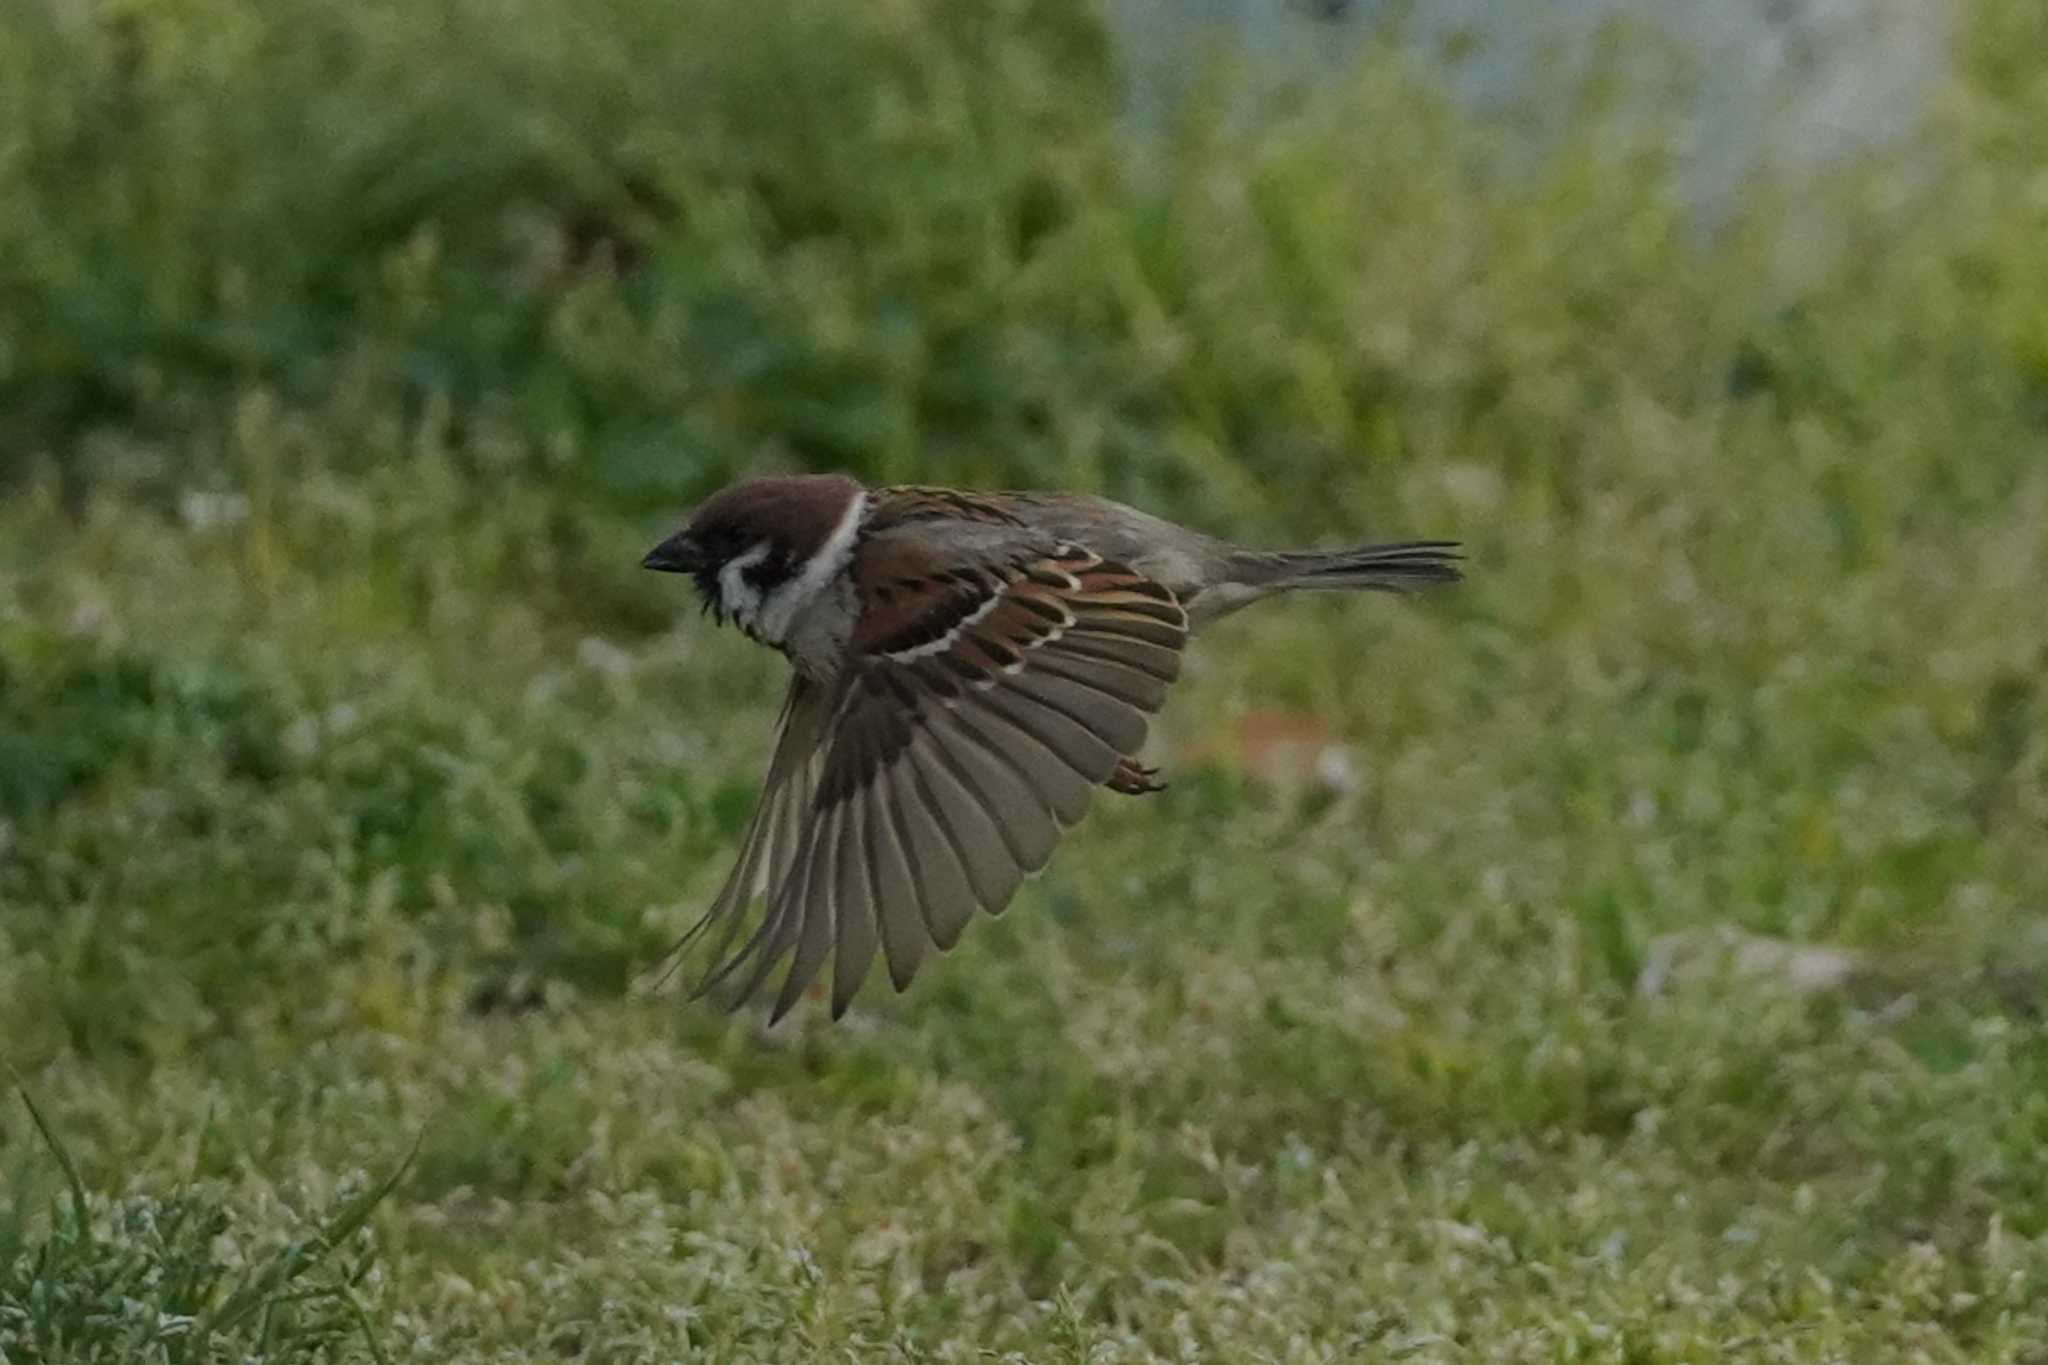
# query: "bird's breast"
[[815, 631]]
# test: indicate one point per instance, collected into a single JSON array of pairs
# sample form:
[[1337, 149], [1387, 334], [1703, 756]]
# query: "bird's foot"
[[1133, 778]]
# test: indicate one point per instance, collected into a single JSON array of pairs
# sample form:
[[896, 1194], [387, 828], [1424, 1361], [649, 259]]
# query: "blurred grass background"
[[352, 776]]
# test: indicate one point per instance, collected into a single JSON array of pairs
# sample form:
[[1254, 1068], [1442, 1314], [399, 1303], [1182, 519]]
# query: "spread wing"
[[776, 832], [981, 707]]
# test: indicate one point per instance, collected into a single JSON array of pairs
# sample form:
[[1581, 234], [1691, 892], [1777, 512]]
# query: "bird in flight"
[[968, 667]]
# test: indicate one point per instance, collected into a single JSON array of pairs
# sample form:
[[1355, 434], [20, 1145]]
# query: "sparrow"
[[966, 669]]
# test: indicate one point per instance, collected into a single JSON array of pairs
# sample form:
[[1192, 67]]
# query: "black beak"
[[677, 554]]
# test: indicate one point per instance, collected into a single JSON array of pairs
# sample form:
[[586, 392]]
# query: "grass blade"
[[301, 1256], [79, 1211]]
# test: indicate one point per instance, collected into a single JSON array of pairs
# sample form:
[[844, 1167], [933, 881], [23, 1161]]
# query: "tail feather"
[[1404, 566]]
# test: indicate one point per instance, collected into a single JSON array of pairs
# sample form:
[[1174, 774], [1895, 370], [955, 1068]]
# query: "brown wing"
[[775, 834], [901, 504], [981, 708]]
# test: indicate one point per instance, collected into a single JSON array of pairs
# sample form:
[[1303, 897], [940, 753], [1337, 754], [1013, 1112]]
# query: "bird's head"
[[762, 547]]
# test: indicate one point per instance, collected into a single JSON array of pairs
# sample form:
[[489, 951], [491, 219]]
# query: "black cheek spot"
[[768, 574]]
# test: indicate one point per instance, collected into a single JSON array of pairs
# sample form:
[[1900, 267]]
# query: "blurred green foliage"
[[353, 779]]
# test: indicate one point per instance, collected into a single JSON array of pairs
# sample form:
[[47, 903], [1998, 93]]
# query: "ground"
[[1632, 954]]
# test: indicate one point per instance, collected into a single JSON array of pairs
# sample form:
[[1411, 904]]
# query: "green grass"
[[353, 779], [178, 1277]]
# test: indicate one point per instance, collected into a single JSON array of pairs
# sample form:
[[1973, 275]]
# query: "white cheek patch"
[[739, 597], [779, 608]]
